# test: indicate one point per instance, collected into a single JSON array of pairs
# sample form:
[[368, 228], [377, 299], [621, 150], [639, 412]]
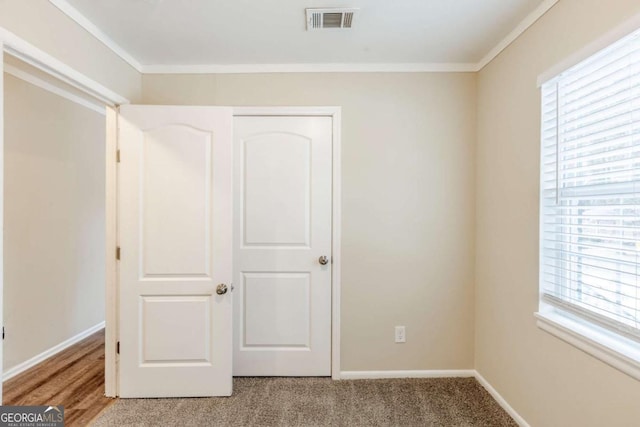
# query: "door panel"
[[277, 310], [282, 224], [276, 162], [164, 320], [175, 239], [176, 167]]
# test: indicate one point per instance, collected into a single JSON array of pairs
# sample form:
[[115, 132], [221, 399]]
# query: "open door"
[[175, 239]]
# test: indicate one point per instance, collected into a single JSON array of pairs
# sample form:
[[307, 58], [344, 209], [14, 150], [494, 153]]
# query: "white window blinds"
[[590, 191]]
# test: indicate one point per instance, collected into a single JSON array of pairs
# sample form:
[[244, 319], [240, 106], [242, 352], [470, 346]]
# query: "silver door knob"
[[221, 289], [323, 260]]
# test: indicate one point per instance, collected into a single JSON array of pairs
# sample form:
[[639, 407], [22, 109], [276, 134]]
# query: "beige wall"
[[54, 220], [549, 382], [414, 206], [407, 207], [45, 26]]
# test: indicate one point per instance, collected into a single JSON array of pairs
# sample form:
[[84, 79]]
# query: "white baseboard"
[[18, 369], [361, 375], [501, 401]]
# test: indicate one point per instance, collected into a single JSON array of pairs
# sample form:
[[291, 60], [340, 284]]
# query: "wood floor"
[[73, 378]]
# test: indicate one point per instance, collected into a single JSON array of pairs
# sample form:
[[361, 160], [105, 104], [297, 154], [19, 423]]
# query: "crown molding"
[[96, 32], [528, 21], [310, 68], [462, 67]]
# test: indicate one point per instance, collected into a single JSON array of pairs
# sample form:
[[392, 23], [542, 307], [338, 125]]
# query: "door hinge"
[[118, 347], [118, 253], [117, 156], [3, 332]]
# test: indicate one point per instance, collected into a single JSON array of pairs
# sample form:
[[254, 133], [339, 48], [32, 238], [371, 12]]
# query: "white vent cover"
[[318, 19]]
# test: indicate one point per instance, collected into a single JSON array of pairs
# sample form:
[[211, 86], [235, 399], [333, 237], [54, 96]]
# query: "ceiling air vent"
[[318, 19]]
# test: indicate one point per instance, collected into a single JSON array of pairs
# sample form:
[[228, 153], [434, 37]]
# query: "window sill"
[[618, 352]]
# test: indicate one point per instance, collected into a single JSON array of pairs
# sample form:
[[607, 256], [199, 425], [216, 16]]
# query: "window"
[[590, 200]]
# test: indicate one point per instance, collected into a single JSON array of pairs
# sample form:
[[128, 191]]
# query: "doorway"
[[55, 75], [54, 240]]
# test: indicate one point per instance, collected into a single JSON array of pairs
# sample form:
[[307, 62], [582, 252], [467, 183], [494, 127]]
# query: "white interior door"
[[282, 228], [175, 224]]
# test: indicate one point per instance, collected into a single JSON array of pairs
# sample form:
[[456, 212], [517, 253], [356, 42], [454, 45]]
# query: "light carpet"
[[321, 402]]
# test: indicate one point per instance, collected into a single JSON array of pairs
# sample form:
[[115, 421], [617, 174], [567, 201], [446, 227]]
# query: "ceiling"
[[196, 32]]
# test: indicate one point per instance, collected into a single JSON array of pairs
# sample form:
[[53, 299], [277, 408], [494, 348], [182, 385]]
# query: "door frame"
[[335, 114]]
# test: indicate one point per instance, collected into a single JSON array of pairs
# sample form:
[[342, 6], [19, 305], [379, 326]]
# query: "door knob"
[[221, 289], [323, 260]]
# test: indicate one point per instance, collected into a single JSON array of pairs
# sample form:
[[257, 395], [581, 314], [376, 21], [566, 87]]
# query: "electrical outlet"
[[401, 336]]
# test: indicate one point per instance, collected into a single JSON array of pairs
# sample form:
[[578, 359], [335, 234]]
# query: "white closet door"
[[282, 231]]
